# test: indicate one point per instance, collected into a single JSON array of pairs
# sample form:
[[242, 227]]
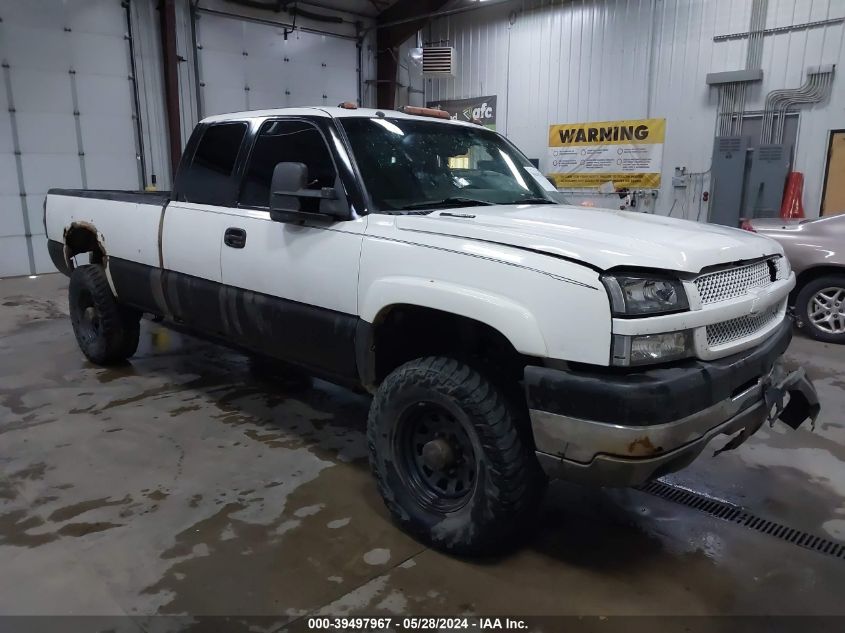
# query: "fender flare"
[[514, 321]]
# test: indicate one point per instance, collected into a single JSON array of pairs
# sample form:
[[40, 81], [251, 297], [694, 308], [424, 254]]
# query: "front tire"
[[107, 333], [451, 464], [820, 306]]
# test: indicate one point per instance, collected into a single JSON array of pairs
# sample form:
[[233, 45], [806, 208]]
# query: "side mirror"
[[288, 178], [288, 192]]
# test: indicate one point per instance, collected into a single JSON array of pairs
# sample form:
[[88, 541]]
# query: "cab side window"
[[209, 178], [282, 142]]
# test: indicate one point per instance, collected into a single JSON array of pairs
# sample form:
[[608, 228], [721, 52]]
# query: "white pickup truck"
[[426, 261]]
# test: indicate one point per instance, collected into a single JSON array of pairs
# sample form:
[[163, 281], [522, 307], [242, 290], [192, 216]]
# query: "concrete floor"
[[181, 483]]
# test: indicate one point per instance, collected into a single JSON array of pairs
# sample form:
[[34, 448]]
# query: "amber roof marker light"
[[431, 112]]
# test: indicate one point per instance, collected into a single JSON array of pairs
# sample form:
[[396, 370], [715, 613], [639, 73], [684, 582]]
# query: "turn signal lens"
[[651, 348]]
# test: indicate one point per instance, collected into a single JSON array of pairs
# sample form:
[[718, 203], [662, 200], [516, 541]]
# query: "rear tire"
[[451, 464], [820, 306], [107, 333]]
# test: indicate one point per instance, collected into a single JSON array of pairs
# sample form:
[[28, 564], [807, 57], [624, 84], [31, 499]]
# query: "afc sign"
[[478, 113], [478, 109]]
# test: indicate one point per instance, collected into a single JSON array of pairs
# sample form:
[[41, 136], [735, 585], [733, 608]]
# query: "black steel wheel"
[[436, 456], [90, 322], [451, 460]]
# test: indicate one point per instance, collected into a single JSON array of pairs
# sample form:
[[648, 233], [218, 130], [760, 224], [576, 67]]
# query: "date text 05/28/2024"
[[415, 624]]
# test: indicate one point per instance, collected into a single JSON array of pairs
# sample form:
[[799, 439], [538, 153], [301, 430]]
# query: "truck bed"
[[126, 224], [159, 198]]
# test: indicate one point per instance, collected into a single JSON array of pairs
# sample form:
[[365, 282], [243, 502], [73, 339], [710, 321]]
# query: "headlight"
[[643, 294], [651, 348]]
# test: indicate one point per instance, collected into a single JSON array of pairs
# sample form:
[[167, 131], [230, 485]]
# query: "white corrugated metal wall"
[[594, 60]]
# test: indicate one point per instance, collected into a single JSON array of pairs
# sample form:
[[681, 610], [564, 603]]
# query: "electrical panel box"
[[727, 176], [734, 76], [766, 180]]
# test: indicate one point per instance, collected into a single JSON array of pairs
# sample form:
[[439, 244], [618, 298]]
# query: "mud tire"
[[107, 332], [508, 483]]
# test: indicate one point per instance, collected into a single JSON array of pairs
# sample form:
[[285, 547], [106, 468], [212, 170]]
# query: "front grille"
[[733, 282], [735, 329]]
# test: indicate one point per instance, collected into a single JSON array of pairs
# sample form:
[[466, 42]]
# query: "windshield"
[[409, 165]]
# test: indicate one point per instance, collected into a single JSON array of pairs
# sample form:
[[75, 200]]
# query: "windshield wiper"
[[454, 201], [536, 200]]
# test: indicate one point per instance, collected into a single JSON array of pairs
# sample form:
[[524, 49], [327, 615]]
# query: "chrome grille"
[[781, 267], [733, 282], [734, 329]]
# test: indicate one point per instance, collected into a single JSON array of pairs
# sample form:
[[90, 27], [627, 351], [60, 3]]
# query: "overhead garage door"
[[246, 65], [66, 105]]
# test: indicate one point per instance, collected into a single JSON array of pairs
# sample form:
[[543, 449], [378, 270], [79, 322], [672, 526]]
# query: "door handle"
[[234, 237]]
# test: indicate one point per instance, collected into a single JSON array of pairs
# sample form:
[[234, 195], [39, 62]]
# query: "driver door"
[[293, 288]]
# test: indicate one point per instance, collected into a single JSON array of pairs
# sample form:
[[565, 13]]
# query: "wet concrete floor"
[[183, 483]]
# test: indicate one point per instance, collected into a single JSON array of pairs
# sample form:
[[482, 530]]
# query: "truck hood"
[[601, 238]]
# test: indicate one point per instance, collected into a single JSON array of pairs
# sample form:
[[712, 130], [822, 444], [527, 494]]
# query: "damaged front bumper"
[[625, 428]]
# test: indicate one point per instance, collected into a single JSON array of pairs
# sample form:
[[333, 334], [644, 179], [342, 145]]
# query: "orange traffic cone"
[[791, 208]]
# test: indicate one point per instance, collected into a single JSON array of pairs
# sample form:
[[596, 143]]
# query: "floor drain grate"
[[736, 514]]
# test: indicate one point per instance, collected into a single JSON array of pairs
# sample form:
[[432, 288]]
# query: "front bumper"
[[641, 425]]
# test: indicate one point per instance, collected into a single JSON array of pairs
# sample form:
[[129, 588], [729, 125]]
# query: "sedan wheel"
[[827, 310], [820, 307]]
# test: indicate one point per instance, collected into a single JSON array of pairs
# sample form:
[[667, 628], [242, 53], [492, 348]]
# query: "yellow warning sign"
[[627, 153]]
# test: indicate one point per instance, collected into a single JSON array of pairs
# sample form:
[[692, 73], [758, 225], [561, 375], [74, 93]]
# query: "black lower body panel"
[[318, 339], [138, 285]]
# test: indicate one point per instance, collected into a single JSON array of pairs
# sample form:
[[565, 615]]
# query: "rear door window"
[[210, 174]]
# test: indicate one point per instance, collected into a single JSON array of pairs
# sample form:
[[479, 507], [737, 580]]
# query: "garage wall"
[[593, 60], [240, 60], [232, 59], [245, 65], [143, 22], [66, 115], [82, 94]]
